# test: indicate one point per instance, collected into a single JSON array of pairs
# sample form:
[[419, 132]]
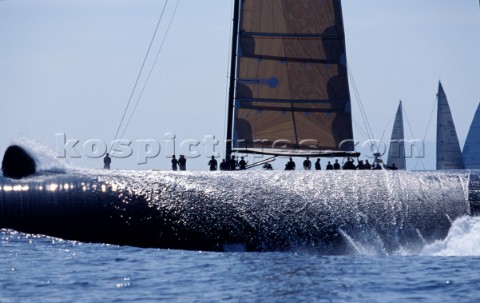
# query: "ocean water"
[[43, 269]]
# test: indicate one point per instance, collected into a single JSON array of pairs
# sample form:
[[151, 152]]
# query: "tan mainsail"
[[291, 86]]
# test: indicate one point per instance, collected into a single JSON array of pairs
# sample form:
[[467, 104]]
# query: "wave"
[[45, 158], [463, 239]]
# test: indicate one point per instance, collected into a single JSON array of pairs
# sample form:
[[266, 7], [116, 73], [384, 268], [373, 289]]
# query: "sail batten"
[[288, 35], [245, 100], [290, 59], [291, 82]]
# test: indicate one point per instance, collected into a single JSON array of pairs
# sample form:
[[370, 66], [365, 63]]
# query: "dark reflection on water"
[[40, 269]]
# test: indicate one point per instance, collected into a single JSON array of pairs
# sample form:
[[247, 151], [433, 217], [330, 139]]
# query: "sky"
[[68, 68]]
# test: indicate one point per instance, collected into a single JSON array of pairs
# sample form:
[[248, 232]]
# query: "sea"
[[36, 268]]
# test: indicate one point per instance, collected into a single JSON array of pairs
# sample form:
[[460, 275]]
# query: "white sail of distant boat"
[[449, 154], [289, 92], [471, 149], [396, 152]]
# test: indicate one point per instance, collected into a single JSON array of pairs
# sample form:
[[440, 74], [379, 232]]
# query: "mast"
[[231, 91]]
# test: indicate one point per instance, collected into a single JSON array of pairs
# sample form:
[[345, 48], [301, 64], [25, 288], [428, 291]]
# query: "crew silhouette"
[[106, 161], [232, 163], [213, 164]]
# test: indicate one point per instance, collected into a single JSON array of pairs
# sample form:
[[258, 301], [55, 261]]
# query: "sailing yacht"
[[471, 149], [449, 155], [289, 92], [396, 152]]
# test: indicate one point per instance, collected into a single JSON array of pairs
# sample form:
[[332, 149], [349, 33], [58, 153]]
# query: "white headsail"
[[396, 152], [449, 154], [471, 149]]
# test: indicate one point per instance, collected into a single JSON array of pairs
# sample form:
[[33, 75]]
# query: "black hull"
[[330, 212]]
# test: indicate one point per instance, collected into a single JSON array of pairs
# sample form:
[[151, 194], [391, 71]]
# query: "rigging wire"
[[139, 75], [368, 132], [362, 109], [385, 129], [359, 128], [428, 126], [151, 70], [357, 94], [413, 136]]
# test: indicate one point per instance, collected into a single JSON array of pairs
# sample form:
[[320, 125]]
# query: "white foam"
[[44, 157], [463, 240]]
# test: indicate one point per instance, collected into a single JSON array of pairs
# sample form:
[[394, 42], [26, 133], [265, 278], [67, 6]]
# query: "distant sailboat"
[[289, 92], [449, 154], [471, 149], [396, 152]]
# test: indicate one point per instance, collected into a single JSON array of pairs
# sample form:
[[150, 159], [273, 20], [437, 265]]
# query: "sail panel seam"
[[291, 59], [318, 36], [314, 101]]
